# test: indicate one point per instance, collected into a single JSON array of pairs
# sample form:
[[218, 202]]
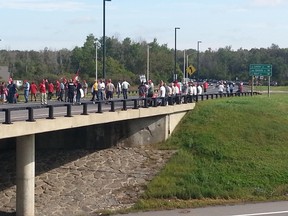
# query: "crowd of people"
[[66, 90], [73, 90]]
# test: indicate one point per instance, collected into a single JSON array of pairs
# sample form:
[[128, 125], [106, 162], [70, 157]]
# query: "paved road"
[[269, 209]]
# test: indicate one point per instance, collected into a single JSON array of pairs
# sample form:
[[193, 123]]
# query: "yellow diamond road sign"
[[191, 69]]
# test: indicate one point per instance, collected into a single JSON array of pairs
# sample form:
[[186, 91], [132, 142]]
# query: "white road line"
[[265, 213]]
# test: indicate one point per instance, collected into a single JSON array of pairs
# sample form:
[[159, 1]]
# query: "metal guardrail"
[[147, 102]]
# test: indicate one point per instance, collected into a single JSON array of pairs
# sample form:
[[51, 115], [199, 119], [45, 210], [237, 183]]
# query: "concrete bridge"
[[93, 130], [129, 125]]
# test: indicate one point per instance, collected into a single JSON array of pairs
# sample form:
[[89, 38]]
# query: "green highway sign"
[[260, 70]]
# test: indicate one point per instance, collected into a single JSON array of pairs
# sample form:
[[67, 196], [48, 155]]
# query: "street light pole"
[[104, 41], [148, 62], [187, 60], [174, 76], [184, 64], [198, 65], [96, 58]]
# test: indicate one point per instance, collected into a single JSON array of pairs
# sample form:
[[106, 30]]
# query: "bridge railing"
[[123, 104]]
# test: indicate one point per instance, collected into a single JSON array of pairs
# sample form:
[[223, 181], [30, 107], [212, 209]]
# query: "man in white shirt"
[[101, 90], [221, 88], [199, 89], [162, 92], [125, 86]]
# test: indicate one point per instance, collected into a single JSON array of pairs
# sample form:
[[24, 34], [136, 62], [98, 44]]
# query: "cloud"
[[268, 2], [81, 20], [44, 5]]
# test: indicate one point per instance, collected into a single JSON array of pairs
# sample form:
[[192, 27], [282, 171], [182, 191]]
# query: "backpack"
[[142, 90]]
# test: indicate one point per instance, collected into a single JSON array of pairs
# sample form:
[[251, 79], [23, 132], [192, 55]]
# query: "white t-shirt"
[[162, 91], [177, 90], [194, 90], [125, 85], [221, 88], [199, 90]]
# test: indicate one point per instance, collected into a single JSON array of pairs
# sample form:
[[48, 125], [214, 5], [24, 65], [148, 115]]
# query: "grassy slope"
[[230, 150]]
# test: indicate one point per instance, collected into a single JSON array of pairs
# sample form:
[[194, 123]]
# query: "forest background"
[[128, 60]]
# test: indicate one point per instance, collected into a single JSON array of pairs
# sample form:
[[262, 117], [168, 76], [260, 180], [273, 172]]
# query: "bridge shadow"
[[45, 160]]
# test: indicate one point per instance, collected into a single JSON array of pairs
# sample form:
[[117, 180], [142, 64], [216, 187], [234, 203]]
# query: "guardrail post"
[[69, 113], [196, 98], [135, 104], [163, 101], [202, 97], [124, 105], [170, 100], [191, 99], [112, 106], [7, 116], [146, 100], [185, 97], [51, 112], [207, 96], [30, 114], [154, 102], [177, 97], [85, 110], [99, 107]]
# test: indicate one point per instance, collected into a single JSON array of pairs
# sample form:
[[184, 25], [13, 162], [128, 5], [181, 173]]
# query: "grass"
[[229, 150], [272, 88]]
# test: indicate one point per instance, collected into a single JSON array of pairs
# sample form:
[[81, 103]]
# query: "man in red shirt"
[[205, 86], [33, 89], [50, 90], [42, 90], [58, 90]]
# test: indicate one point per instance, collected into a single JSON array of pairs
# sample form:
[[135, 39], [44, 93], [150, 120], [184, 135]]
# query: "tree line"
[[128, 60]]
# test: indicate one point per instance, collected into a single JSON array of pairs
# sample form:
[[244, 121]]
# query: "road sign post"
[[260, 70]]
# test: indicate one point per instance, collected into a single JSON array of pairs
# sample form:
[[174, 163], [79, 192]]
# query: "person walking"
[[43, 93], [71, 91], [85, 87], [142, 93], [12, 90], [2, 92], [78, 92], [26, 88], [101, 90], [110, 88], [50, 90], [94, 91], [119, 88], [33, 90], [125, 86]]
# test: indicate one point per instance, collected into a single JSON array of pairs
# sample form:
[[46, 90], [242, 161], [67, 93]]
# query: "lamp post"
[[184, 66], [148, 62], [198, 69], [96, 62], [187, 60], [174, 75], [104, 41]]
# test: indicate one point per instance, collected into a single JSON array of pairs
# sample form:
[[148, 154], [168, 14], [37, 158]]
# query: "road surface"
[[259, 209]]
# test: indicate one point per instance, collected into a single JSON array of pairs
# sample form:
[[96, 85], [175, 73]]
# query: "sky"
[[58, 24]]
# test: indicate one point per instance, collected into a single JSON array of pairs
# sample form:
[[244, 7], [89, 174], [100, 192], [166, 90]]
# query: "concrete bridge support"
[[25, 175]]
